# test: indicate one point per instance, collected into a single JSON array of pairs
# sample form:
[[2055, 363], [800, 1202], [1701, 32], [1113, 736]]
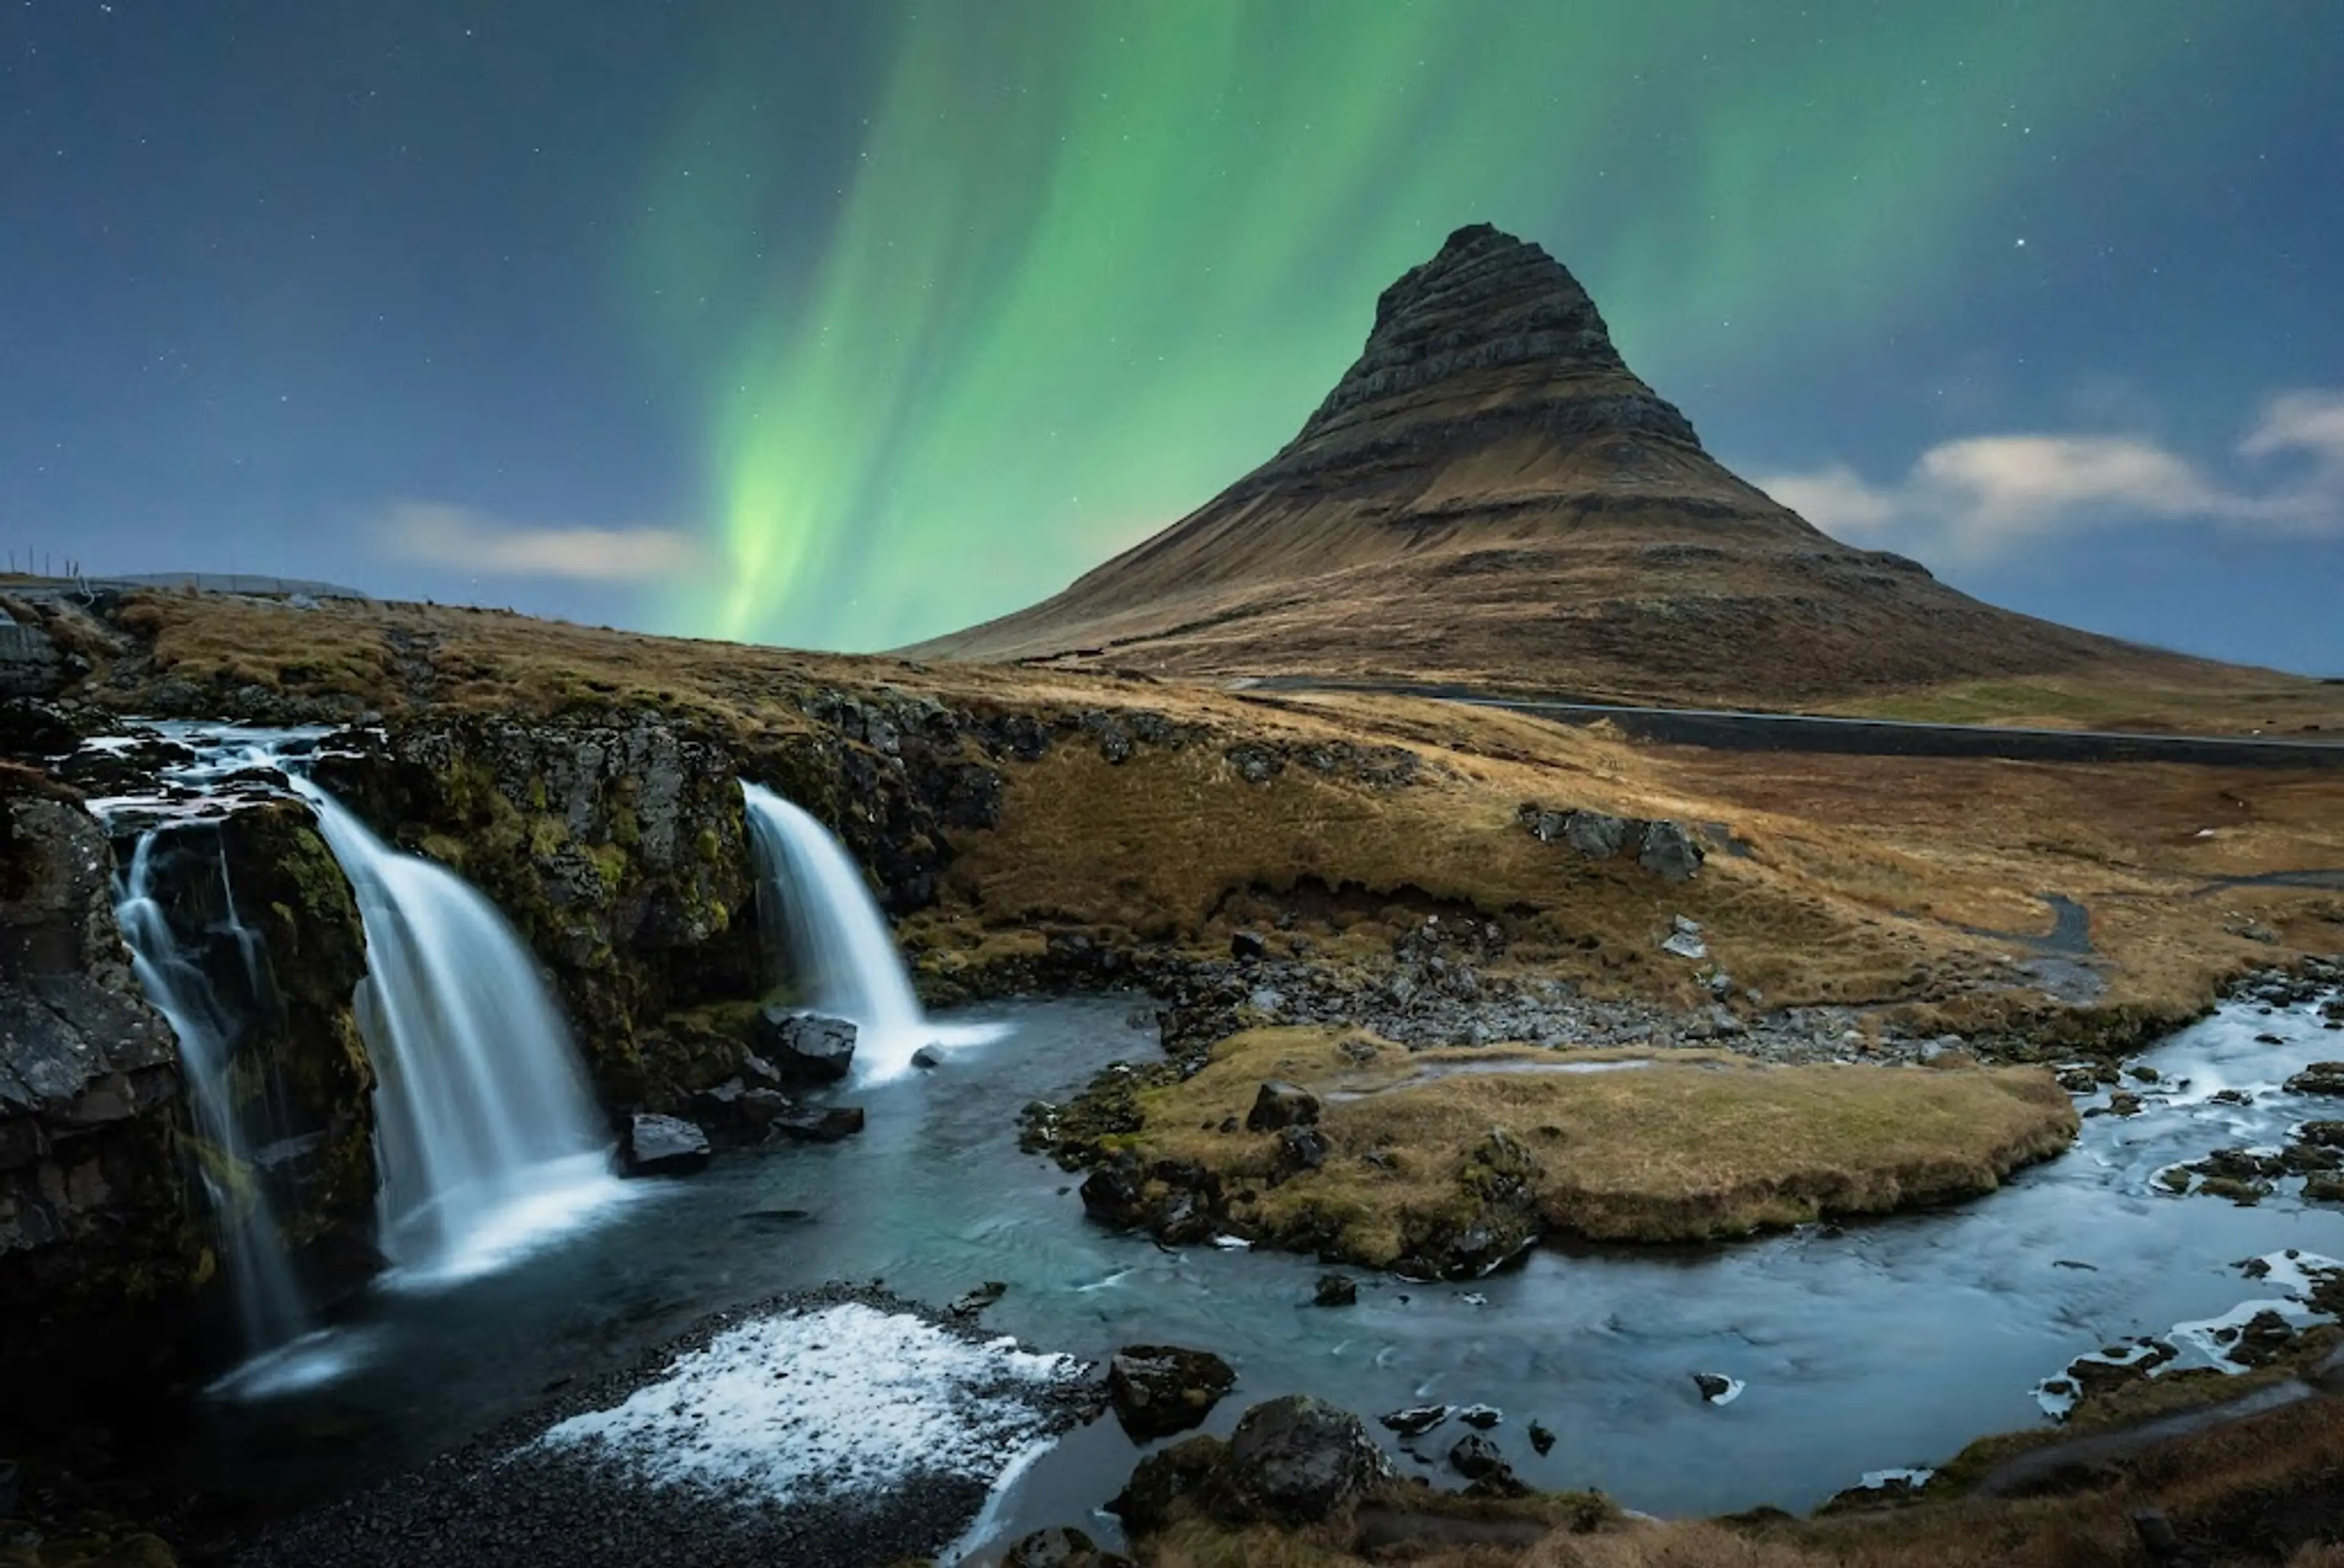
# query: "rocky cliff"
[[95, 1226]]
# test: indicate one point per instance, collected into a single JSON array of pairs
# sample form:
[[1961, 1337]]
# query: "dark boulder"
[[1336, 1290], [1541, 1439], [1474, 1456], [1299, 1148], [927, 1057], [1116, 1195], [978, 1299], [1297, 1460], [1595, 835], [1277, 1105], [1158, 1389], [2319, 1079], [733, 1112], [1715, 1387], [802, 1124], [806, 1047], [1061, 1547], [1669, 853], [1248, 945], [1481, 1418], [662, 1146], [1194, 1469]]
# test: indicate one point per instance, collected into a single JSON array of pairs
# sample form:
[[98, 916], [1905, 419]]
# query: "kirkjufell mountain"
[[1491, 495]]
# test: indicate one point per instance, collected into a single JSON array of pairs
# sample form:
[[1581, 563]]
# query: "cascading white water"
[[486, 1134], [842, 956], [270, 1311]]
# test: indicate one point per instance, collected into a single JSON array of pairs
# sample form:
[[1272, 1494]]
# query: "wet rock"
[[978, 1299], [1669, 853], [2123, 1102], [2230, 1096], [802, 1124], [1115, 1195], [1474, 1457], [1279, 1105], [1481, 1418], [1158, 1389], [2258, 1342], [1246, 946], [2141, 1072], [927, 1057], [1415, 1420], [2323, 1188], [662, 1146], [2319, 1079], [806, 1047], [1297, 1460], [1062, 1547], [1194, 1469], [733, 1112], [2245, 1194], [1715, 1388], [1541, 1439], [1336, 1290], [2079, 1080]]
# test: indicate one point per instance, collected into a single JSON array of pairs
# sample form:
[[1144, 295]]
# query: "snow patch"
[[839, 1400]]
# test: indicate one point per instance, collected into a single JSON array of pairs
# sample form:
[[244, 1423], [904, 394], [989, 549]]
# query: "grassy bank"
[[1699, 1145]]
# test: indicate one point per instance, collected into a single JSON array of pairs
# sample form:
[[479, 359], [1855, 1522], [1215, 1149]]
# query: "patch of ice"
[[2205, 1335], [1232, 1243], [1914, 1476], [840, 1400], [2058, 1396]]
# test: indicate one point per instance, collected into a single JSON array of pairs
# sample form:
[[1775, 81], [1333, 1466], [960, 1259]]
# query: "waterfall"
[[485, 1134], [841, 954], [270, 1311]]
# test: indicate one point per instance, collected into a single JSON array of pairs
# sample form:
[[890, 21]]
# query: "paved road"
[[1728, 730]]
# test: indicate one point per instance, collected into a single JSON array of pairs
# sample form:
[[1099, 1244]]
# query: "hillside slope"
[[1489, 495]]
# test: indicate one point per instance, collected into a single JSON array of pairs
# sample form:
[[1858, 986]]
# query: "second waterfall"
[[841, 954], [488, 1139]]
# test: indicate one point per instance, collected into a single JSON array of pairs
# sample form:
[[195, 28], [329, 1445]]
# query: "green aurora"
[[1088, 260]]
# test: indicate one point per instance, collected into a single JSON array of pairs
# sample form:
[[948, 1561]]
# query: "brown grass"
[[2225, 1482], [1705, 1144], [1862, 874]]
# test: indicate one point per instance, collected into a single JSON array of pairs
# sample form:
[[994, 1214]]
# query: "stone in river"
[[1158, 1389], [1416, 1419], [806, 1047], [1336, 1290], [1297, 1460], [662, 1146]]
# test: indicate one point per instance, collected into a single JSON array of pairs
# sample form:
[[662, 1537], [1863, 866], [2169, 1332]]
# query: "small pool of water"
[[1861, 1348]]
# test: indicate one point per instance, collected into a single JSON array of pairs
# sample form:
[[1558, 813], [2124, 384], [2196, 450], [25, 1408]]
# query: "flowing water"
[[275, 1323], [1861, 1349], [840, 953], [486, 1137]]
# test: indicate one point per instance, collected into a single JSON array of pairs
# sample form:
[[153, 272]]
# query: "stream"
[[1874, 1345]]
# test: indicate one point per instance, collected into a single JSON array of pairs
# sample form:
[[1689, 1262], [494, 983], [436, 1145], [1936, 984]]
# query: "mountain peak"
[[1494, 326]]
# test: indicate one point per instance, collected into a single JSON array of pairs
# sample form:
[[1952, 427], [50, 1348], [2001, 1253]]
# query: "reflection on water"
[[1884, 1344]]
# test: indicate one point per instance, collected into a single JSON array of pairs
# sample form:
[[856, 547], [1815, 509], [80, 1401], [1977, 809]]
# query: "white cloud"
[[1981, 496], [462, 540]]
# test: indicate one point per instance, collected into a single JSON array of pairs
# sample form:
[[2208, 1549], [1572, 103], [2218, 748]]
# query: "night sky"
[[843, 324]]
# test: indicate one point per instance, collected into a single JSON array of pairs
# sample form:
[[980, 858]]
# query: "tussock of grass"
[[1704, 1144]]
